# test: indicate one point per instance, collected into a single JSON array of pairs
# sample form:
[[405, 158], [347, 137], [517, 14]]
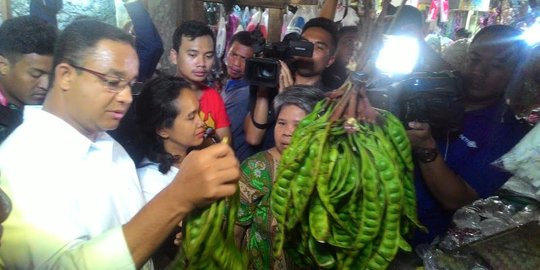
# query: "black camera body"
[[433, 97], [265, 71]]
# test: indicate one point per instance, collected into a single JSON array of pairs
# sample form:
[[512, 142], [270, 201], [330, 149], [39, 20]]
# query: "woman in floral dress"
[[257, 226]]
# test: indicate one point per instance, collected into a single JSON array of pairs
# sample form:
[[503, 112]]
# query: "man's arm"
[[259, 115], [328, 9], [205, 176], [147, 41], [254, 134], [224, 132], [446, 186]]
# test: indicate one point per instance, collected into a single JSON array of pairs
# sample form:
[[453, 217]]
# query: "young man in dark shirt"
[[26, 52], [236, 91]]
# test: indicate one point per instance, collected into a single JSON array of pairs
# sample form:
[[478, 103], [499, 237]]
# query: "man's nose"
[[124, 96], [200, 60], [43, 81], [237, 61]]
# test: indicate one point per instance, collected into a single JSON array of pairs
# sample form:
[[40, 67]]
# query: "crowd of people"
[[74, 196]]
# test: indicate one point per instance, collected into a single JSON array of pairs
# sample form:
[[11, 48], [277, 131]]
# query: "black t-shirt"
[[10, 118]]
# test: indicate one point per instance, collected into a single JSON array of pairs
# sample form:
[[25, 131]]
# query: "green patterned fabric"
[[255, 214]]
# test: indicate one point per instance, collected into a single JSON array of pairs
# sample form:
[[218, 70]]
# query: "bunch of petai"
[[346, 188], [208, 238]]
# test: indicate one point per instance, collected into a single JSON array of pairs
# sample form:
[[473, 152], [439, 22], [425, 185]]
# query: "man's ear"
[[331, 60], [172, 57], [5, 65], [64, 75]]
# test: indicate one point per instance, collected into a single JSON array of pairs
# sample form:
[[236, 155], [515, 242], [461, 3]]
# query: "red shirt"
[[213, 110]]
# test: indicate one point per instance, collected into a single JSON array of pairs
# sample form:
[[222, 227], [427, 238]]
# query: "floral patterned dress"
[[255, 215]]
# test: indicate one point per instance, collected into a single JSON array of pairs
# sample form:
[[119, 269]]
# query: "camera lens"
[[266, 72]]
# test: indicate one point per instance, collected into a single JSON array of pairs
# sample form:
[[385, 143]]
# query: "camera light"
[[398, 55], [532, 34]]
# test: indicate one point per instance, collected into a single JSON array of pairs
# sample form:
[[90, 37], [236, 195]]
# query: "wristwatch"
[[425, 155]]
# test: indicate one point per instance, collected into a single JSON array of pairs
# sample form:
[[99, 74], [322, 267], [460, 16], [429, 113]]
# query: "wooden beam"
[[275, 21], [5, 9], [256, 3], [191, 10]]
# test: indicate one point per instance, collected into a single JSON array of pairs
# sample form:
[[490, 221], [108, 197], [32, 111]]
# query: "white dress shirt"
[[152, 180], [70, 197]]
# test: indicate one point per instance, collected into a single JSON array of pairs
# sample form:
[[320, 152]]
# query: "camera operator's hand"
[[285, 77], [420, 135], [357, 104]]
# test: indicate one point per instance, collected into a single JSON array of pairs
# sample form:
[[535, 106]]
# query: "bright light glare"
[[532, 34], [398, 55]]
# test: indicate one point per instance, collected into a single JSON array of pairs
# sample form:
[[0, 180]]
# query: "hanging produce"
[[208, 238], [345, 190]]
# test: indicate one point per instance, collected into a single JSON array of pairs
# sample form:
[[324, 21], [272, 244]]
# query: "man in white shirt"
[[77, 201]]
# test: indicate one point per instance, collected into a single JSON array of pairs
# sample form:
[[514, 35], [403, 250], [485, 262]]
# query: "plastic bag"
[[298, 21], [259, 20], [221, 37], [245, 18], [287, 17], [523, 161], [346, 16]]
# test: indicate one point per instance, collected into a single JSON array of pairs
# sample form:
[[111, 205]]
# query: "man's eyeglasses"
[[113, 83]]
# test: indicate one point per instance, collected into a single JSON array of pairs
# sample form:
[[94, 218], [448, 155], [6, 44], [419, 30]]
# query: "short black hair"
[[504, 34], [156, 108], [408, 15], [462, 33], [326, 24], [81, 36], [348, 29], [25, 35], [191, 29], [244, 38]]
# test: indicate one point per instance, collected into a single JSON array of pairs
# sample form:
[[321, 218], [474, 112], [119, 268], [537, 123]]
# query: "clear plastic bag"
[[523, 161]]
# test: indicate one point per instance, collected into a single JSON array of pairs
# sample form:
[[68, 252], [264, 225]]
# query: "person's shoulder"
[[209, 91], [147, 167]]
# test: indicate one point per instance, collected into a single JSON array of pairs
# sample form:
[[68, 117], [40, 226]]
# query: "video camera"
[[265, 71], [432, 97]]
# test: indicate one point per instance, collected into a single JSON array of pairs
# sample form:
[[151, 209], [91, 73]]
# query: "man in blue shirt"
[[454, 171], [236, 91]]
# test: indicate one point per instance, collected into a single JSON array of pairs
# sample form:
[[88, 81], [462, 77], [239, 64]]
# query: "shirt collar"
[[75, 144], [234, 84]]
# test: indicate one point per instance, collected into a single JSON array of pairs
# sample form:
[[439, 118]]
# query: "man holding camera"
[[456, 169], [320, 31]]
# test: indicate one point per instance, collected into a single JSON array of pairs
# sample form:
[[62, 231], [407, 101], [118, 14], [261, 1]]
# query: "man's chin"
[[307, 73], [35, 101]]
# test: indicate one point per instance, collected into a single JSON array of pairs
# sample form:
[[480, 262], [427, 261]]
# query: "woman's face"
[[287, 121], [187, 129]]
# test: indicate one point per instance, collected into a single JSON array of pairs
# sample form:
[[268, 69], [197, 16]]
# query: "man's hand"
[[205, 176], [420, 135], [285, 77], [353, 103]]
